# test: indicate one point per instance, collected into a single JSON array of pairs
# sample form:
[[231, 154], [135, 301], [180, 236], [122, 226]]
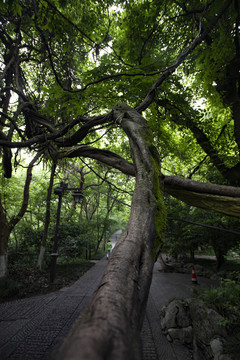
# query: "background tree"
[[47, 218], [189, 229], [90, 221], [7, 224]]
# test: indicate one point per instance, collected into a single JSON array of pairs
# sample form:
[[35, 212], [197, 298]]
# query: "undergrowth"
[[225, 299], [24, 281]]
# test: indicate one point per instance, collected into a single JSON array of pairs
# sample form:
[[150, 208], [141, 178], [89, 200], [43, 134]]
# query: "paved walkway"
[[30, 328]]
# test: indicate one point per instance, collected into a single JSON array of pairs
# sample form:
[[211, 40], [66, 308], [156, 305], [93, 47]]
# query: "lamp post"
[[77, 196]]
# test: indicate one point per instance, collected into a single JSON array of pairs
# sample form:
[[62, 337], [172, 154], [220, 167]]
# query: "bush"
[[226, 300]]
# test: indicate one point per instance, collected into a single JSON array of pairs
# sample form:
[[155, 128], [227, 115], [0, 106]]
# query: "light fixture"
[[77, 196]]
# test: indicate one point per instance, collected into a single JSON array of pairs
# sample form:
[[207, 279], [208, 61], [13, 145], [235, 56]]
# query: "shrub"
[[225, 299]]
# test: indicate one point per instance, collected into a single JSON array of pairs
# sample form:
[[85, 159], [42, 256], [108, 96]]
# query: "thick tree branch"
[[170, 182], [83, 131], [105, 156], [216, 198], [220, 198], [59, 136], [176, 182]]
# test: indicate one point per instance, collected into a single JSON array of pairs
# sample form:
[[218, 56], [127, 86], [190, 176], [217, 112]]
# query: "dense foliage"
[[63, 63]]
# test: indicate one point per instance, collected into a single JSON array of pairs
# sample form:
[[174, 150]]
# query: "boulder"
[[196, 326], [175, 315], [205, 322], [184, 335], [217, 349]]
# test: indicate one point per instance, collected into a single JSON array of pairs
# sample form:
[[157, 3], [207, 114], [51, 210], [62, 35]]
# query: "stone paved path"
[[30, 328]]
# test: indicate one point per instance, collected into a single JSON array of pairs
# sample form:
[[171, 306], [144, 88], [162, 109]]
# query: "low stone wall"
[[194, 325]]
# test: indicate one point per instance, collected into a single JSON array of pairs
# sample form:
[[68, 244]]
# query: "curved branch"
[[105, 156], [217, 198], [81, 133]]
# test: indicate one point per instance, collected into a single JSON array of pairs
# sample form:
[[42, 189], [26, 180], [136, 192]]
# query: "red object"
[[194, 277], [166, 258]]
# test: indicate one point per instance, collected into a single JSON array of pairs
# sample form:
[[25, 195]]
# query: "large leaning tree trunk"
[[110, 326], [6, 226]]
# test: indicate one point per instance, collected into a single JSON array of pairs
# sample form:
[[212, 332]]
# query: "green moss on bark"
[[160, 211]]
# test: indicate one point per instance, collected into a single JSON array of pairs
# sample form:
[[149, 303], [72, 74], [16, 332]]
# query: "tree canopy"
[[64, 67]]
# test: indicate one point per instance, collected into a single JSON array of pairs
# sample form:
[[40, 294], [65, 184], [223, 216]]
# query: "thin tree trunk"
[[7, 226], [218, 252], [109, 209], [110, 326], [192, 254], [47, 218]]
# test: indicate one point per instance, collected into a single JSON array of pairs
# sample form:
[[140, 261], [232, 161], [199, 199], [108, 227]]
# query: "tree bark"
[[110, 326]]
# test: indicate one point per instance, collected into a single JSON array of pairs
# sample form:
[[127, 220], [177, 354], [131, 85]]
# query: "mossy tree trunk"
[[110, 326]]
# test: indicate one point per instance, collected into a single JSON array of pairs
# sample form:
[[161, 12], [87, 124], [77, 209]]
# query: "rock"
[[201, 351], [175, 315], [217, 347], [191, 323], [205, 322], [184, 335]]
